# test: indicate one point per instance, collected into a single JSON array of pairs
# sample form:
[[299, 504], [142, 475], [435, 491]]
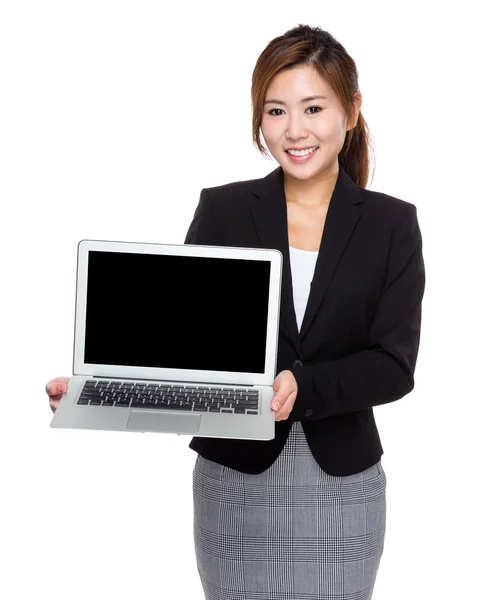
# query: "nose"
[[296, 128]]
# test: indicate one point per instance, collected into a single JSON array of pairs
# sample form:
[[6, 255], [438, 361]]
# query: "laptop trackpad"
[[142, 420]]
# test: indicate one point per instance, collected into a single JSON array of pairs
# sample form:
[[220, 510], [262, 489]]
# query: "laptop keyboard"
[[170, 397]]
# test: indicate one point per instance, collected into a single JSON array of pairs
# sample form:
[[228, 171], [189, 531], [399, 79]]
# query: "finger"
[[56, 381], [285, 410], [56, 390], [56, 387], [282, 413], [280, 399], [276, 403], [281, 416], [53, 404]]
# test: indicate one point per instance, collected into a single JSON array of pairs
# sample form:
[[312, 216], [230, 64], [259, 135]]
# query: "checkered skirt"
[[292, 532]]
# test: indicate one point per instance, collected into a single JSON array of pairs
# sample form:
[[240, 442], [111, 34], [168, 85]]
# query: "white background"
[[113, 116]]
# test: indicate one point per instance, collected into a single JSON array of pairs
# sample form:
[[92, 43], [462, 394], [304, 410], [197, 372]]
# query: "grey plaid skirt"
[[292, 532]]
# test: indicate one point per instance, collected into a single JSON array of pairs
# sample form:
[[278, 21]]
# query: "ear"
[[357, 104]]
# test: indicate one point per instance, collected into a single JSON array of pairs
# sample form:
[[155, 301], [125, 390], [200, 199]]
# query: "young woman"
[[303, 516]]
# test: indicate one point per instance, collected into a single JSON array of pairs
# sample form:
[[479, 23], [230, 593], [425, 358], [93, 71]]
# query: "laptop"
[[174, 339]]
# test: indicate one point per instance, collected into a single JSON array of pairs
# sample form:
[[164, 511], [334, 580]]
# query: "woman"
[[303, 515]]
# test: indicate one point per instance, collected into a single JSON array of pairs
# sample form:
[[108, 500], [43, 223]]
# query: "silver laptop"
[[174, 339]]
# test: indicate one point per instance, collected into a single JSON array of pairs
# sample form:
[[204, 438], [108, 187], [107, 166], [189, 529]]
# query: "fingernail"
[[275, 404]]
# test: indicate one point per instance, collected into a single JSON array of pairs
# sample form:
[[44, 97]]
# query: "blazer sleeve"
[[384, 371]]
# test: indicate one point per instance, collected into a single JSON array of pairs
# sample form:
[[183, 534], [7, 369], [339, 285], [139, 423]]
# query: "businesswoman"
[[303, 516]]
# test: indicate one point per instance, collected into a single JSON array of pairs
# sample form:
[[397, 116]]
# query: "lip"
[[302, 148], [301, 159]]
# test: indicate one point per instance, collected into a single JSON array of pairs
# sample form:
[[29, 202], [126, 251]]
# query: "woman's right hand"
[[55, 390]]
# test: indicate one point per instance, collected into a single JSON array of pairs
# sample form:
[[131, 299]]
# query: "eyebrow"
[[308, 99]]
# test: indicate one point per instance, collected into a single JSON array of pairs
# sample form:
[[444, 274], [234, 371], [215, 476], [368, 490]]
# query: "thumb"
[[277, 401]]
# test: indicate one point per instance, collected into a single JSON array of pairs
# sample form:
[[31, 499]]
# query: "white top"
[[303, 264]]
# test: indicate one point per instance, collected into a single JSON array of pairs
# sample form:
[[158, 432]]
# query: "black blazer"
[[359, 339]]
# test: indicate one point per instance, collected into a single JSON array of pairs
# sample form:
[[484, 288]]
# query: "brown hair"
[[311, 46]]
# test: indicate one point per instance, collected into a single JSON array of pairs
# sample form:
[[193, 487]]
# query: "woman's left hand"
[[285, 389]]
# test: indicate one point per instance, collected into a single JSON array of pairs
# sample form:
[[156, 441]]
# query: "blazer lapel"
[[269, 212]]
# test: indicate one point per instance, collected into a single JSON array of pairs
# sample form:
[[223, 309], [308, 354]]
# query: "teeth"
[[302, 152]]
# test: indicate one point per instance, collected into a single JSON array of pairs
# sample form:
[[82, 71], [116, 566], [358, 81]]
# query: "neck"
[[312, 193]]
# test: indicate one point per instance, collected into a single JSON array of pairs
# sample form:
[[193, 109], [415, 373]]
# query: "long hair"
[[311, 46]]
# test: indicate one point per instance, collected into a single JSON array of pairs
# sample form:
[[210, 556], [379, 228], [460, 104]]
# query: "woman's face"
[[291, 120]]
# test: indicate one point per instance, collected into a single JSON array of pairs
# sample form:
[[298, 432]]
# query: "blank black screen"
[[179, 312]]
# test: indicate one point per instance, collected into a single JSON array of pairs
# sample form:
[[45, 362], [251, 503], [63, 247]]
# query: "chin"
[[303, 172]]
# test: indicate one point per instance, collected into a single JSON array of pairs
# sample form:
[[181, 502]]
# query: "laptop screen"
[[181, 312]]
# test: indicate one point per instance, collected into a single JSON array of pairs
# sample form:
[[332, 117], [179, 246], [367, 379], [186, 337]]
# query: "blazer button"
[[309, 412], [297, 363]]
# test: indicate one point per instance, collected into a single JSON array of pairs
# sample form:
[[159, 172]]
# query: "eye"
[[271, 112]]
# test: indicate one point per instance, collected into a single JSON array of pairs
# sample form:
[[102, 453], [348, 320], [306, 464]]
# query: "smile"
[[301, 155]]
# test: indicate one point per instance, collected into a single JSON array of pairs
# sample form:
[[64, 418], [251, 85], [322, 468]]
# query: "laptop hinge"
[[247, 385]]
